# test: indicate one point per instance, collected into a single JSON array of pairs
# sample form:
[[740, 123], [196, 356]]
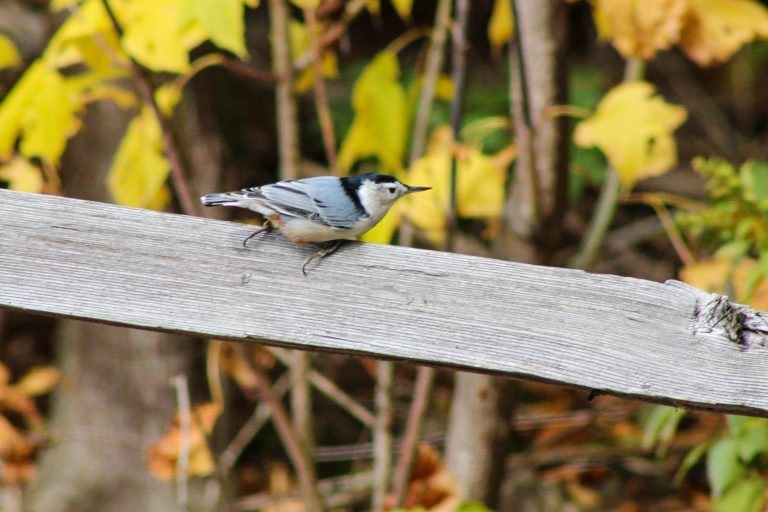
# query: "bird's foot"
[[267, 227], [326, 249]]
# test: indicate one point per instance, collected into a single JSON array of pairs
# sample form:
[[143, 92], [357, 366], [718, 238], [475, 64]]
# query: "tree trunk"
[[114, 402], [115, 399], [479, 436]]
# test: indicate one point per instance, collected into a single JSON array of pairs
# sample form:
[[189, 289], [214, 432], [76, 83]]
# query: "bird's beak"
[[411, 190]]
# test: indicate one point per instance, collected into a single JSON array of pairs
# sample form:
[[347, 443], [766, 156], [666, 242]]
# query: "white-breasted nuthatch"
[[324, 210]]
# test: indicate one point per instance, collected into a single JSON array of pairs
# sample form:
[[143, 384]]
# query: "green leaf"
[[753, 442], [723, 465], [736, 424], [754, 177], [380, 125], [734, 249], [9, 55], [473, 506], [746, 495], [660, 426], [139, 171], [690, 460]]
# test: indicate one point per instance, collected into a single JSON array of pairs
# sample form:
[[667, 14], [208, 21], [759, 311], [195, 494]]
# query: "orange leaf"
[[724, 275], [163, 455]]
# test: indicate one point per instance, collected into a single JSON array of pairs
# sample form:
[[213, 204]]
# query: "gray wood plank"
[[665, 343]]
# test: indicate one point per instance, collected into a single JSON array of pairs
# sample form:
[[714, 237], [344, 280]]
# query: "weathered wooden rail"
[[666, 343]]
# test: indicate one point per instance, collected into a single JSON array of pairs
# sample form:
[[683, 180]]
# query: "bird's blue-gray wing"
[[321, 199]]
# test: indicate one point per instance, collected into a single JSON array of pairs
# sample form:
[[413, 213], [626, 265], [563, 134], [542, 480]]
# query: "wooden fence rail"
[[666, 343]]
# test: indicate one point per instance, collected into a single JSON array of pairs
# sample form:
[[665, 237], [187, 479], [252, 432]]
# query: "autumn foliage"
[[141, 55]]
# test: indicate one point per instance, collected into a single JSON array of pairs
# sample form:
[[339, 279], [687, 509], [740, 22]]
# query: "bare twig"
[[247, 71], [331, 390], [301, 399], [338, 492], [290, 158], [213, 371], [318, 86], [459, 80], [305, 470], [609, 195], [288, 131], [261, 414], [182, 464], [382, 436], [702, 106], [402, 473], [334, 32], [143, 85], [675, 238], [431, 74]]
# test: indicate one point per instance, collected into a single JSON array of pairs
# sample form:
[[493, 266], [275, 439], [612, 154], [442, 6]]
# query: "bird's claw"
[[265, 228], [325, 250]]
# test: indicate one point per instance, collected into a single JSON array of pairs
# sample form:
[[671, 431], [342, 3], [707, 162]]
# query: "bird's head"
[[380, 191]]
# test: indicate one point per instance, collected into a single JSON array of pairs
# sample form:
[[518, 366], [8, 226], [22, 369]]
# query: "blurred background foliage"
[[658, 106]]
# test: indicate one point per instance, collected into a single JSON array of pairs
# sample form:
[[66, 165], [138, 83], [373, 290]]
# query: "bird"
[[323, 210]]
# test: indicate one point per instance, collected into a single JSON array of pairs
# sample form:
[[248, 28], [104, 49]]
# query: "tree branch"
[[178, 177]]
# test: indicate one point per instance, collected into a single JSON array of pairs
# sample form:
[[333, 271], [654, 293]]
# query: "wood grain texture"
[[666, 343]]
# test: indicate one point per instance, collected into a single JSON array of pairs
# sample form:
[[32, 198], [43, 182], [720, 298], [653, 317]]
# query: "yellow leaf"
[[329, 66], [299, 40], [9, 55], [156, 36], [444, 88], [374, 7], [222, 20], [39, 381], [380, 125], [638, 28], [22, 176], [60, 5], [140, 169], [480, 184], [167, 97], [123, 98], [403, 8], [14, 107], [715, 29], [311, 4], [50, 119], [252, 3], [41, 108], [501, 25], [87, 37], [724, 275], [383, 232], [634, 129]]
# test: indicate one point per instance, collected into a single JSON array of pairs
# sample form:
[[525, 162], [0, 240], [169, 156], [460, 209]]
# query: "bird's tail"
[[226, 199]]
